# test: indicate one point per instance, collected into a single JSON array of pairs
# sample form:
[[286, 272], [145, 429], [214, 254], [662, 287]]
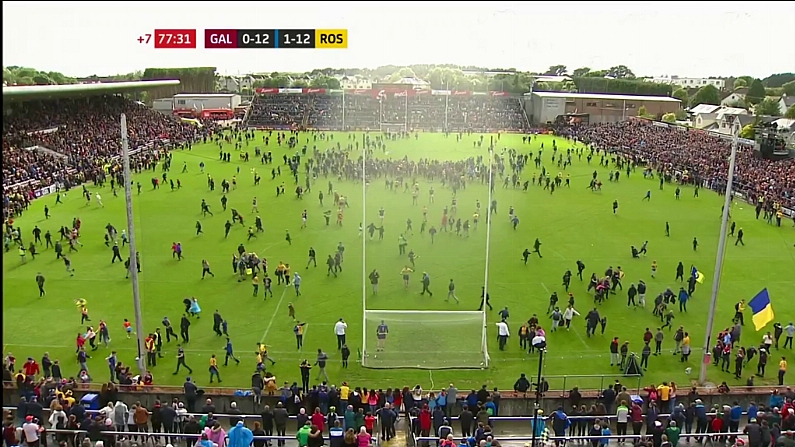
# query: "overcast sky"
[[688, 39]]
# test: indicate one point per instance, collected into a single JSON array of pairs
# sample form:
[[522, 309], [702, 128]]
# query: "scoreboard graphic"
[[246, 38]]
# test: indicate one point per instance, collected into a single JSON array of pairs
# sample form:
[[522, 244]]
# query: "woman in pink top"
[[363, 437], [216, 434], [372, 401]]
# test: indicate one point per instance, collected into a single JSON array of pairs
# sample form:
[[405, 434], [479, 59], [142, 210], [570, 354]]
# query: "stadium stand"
[[278, 110], [428, 112], [704, 156], [70, 141]]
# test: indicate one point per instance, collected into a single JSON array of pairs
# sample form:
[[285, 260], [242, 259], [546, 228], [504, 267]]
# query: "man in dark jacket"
[[267, 422], [234, 413], [466, 418], [280, 418], [169, 416], [521, 385], [388, 417], [754, 432], [208, 407]]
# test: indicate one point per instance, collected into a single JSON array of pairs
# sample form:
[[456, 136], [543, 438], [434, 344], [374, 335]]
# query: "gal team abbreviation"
[[276, 38]]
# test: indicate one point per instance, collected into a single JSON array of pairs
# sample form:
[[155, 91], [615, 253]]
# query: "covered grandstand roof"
[[604, 96], [33, 92]]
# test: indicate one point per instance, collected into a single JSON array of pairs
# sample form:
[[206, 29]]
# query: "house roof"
[[745, 119], [605, 96], [788, 100], [30, 92], [704, 108], [731, 111], [785, 123]]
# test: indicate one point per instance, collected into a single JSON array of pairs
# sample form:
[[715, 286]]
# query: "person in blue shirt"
[[753, 410], [230, 352], [701, 417], [734, 417], [472, 399], [683, 297], [441, 401]]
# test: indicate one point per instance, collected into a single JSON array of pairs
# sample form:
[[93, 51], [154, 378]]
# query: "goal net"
[[424, 339], [393, 127]]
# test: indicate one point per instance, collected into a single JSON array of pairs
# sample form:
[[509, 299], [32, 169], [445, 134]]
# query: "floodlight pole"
[[488, 228], [139, 324], [364, 249], [702, 375]]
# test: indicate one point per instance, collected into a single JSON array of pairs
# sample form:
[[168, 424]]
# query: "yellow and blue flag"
[[698, 276], [762, 309]]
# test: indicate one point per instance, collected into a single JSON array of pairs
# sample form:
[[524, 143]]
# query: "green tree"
[[580, 72], [596, 74], [681, 94], [556, 70], [790, 112], [769, 107], [747, 79], [299, 83], [706, 95], [620, 72], [42, 79], [778, 79], [192, 80], [669, 118], [756, 92], [747, 132], [740, 83], [642, 111], [789, 88]]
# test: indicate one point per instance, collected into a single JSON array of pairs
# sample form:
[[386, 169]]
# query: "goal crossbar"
[[428, 312]]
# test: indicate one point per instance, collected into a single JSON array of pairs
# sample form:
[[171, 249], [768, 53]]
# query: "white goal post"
[[393, 127], [425, 339]]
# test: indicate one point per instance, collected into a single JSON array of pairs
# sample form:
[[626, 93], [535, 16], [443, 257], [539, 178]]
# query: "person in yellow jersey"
[[345, 391], [263, 352], [782, 370], [214, 369]]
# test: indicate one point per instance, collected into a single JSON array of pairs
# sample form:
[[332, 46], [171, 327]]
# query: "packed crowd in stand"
[[346, 411], [77, 139], [696, 156], [420, 112]]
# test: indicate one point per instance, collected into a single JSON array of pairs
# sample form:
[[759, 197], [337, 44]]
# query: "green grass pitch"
[[572, 224]]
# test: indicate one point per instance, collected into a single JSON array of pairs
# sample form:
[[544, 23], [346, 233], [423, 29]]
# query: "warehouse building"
[[546, 107]]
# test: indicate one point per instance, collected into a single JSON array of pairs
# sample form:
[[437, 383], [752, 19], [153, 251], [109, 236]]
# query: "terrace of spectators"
[[79, 127], [365, 112], [704, 156]]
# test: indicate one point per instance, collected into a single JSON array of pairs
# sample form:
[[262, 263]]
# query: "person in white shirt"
[[503, 333], [30, 430], [58, 415], [568, 315], [99, 200], [339, 330], [790, 331]]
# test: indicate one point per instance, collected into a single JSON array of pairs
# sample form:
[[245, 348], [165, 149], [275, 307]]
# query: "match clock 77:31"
[[296, 38]]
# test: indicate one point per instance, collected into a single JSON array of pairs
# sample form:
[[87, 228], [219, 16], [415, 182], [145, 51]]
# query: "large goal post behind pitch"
[[393, 127], [425, 340]]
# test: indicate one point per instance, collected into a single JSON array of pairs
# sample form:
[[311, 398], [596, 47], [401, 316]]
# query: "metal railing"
[[586, 382], [146, 436], [620, 438]]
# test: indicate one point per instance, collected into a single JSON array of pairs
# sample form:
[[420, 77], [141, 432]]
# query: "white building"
[[235, 84], [736, 97], [355, 82], [715, 118], [785, 103], [720, 84]]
